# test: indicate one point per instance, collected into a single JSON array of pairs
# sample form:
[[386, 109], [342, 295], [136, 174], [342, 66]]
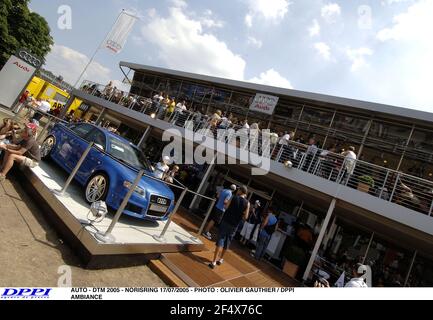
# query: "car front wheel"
[[47, 146], [97, 188]]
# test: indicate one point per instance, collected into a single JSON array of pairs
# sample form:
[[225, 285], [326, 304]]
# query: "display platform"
[[132, 236]]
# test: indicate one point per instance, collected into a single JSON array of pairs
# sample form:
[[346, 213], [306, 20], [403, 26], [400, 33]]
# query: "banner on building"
[[264, 103], [118, 35], [15, 75]]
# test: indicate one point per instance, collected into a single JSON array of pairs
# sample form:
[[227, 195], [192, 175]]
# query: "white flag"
[[117, 37], [340, 281]]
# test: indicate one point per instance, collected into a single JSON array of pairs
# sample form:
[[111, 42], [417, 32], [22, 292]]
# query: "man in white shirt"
[[158, 97], [349, 163], [178, 110], [246, 125], [284, 140], [43, 106], [162, 168], [180, 107], [358, 280]]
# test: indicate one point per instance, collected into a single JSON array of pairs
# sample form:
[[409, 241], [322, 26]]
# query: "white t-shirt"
[[285, 139], [350, 161], [161, 168], [356, 283], [351, 155], [246, 126], [45, 106], [158, 98], [225, 122], [180, 107]]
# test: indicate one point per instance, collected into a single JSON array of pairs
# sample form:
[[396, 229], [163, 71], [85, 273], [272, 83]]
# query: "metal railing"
[[389, 185]]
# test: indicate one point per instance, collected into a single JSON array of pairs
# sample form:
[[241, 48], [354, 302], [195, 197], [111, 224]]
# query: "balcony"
[[388, 185]]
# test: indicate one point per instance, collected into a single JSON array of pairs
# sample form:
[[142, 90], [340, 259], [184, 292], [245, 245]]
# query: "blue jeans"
[[262, 244]]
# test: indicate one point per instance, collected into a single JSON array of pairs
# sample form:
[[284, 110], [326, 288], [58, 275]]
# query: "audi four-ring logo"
[[113, 45], [161, 201], [27, 57]]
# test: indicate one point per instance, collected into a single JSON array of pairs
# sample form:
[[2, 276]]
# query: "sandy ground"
[[32, 254]]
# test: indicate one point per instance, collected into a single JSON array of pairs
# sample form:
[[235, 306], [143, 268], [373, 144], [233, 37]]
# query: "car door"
[[95, 157], [74, 146]]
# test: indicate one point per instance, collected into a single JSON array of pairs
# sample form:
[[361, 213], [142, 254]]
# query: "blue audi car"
[[108, 176]]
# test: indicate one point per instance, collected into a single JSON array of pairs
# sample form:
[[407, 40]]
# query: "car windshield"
[[128, 154]]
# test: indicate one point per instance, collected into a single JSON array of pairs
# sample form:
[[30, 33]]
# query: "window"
[[82, 130], [420, 146], [317, 116], [128, 154], [97, 137], [58, 97]]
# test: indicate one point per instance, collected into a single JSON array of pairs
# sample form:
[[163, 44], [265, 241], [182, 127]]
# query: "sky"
[[371, 50]]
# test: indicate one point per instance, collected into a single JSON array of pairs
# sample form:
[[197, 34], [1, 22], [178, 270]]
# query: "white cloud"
[[414, 25], [272, 78], [249, 20], [183, 44], [208, 20], [358, 57], [323, 50], [270, 10], [179, 3], [69, 64], [330, 12], [254, 42], [390, 2], [314, 30], [409, 38]]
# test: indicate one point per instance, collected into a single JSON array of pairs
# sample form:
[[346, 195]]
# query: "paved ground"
[[31, 252]]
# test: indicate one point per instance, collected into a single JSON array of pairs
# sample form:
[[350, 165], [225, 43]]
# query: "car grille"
[[158, 206]]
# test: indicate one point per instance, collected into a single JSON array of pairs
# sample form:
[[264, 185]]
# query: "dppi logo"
[[22, 67], [26, 293]]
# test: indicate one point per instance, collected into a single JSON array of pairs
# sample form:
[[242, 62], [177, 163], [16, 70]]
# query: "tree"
[[20, 28]]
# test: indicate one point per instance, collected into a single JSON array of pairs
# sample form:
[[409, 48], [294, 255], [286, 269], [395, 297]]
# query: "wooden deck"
[[238, 270]]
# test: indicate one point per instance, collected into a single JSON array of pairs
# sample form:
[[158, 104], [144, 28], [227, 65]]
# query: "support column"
[[143, 139], [410, 268], [66, 107], [368, 248], [103, 112], [364, 139], [196, 200], [330, 233], [319, 239]]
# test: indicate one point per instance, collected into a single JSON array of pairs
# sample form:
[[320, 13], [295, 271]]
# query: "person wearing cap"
[[26, 152], [238, 210], [224, 197], [358, 280], [162, 168]]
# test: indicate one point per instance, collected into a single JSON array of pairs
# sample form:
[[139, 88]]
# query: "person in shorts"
[[26, 152], [238, 210], [224, 197]]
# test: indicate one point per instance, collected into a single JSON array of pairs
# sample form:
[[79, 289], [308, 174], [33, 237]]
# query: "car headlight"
[[128, 184]]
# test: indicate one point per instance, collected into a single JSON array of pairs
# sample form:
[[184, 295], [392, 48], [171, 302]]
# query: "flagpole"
[[97, 49]]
